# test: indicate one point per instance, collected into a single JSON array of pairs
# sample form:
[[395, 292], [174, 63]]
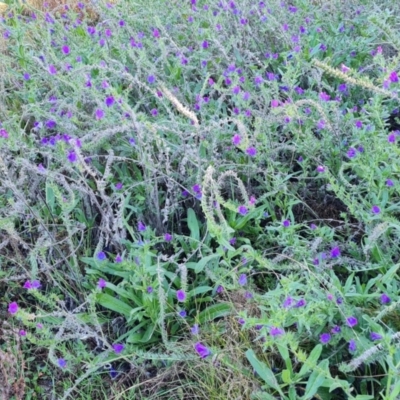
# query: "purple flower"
[[313, 227], [141, 226], [99, 114], [243, 210], [220, 289], [202, 350], [351, 153], [149, 289], [242, 280], [391, 138], [358, 124], [27, 76], [167, 237], [324, 96], [251, 151], [72, 156], [151, 79], [321, 124], [101, 256], [154, 112], [101, 284], [342, 87], [336, 329], [183, 313], [375, 336], [181, 295], [352, 345], [236, 140], [196, 188], [52, 69], [288, 302], [389, 182], [241, 321], [13, 308], [236, 90], [351, 321], [195, 329], [22, 332], [205, 44], [393, 77], [286, 223], [51, 124], [375, 210], [300, 303], [118, 259], [385, 299], [258, 80], [246, 96], [61, 363], [118, 186], [118, 347], [335, 252], [320, 168], [325, 338], [274, 103], [65, 49], [109, 101], [274, 331]]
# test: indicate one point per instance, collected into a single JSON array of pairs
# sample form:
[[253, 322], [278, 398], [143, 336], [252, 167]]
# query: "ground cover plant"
[[200, 199]]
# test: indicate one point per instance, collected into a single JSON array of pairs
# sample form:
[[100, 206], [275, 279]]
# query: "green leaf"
[[311, 360], [215, 311], [315, 380], [263, 371], [204, 261], [286, 376], [193, 224], [199, 290], [114, 304]]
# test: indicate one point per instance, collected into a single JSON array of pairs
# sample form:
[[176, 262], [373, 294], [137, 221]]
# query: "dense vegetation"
[[200, 200]]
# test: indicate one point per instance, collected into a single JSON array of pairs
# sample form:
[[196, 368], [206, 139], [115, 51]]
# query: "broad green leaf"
[[193, 224], [215, 311], [114, 304], [311, 361], [315, 381], [204, 261], [199, 290], [263, 371]]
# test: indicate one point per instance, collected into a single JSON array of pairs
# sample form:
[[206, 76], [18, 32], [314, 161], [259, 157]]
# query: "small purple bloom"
[[52, 69], [324, 96], [181, 295], [109, 101], [236, 90], [300, 303], [65, 49], [72, 157], [167, 237], [149, 289], [288, 302], [391, 138], [241, 321], [351, 153], [320, 168], [118, 347], [335, 252], [251, 151], [351, 321], [99, 114], [118, 186], [154, 112], [385, 299], [61, 363], [151, 79], [274, 331], [375, 210], [242, 280], [236, 140], [13, 308], [352, 345], [389, 182], [27, 76], [101, 256], [375, 336], [141, 226], [183, 313], [202, 350], [220, 289], [101, 284], [195, 329], [393, 77], [336, 329], [286, 223], [358, 124], [118, 259], [325, 338], [205, 44], [243, 210], [22, 332], [313, 227]]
